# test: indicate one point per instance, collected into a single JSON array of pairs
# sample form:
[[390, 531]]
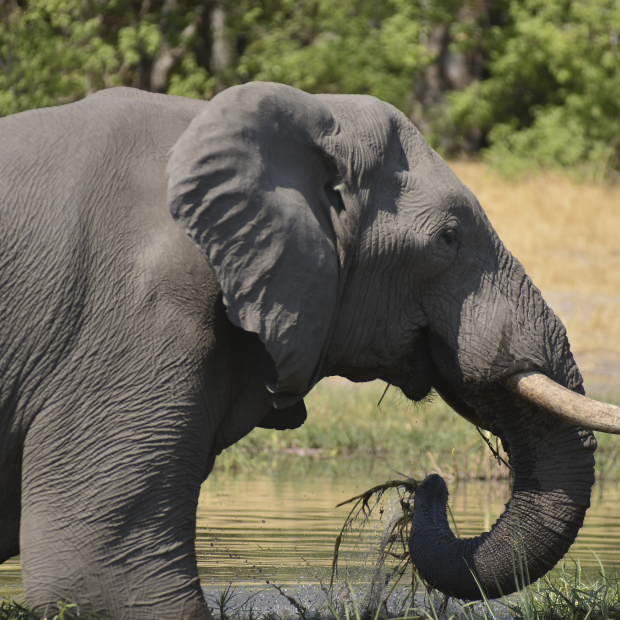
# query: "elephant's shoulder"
[[130, 117], [124, 93]]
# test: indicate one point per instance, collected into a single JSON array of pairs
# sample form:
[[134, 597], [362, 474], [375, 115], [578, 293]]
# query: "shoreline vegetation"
[[347, 431], [568, 595]]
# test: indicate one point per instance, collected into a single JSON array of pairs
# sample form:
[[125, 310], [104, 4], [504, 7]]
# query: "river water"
[[255, 529]]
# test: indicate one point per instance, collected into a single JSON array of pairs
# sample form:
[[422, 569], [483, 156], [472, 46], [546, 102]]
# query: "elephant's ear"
[[247, 183]]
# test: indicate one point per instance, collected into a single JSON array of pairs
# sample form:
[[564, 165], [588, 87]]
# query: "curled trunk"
[[552, 467]]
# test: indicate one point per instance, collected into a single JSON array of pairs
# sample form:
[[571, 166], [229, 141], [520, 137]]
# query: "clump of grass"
[[392, 553], [570, 596], [227, 605], [12, 610], [222, 604]]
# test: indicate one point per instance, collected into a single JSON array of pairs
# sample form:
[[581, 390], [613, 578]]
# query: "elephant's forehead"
[[359, 111], [434, 186], [372, 123]]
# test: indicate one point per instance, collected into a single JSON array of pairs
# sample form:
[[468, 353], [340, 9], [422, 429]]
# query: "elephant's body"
[[175, 273], [112, 320]]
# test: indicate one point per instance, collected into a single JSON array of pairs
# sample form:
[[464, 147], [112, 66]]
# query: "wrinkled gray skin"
[[175, 273]]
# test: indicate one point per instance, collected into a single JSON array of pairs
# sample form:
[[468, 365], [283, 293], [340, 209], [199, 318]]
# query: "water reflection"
[[253, 529], [283, 530]]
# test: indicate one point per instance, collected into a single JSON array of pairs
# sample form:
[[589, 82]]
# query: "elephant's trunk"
[[552, 466]]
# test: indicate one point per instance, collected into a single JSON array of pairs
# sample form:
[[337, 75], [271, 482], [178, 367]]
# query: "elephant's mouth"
[[528, 383], [419, 374]]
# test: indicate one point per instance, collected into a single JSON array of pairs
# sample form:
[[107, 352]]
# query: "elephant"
[[175, 273]]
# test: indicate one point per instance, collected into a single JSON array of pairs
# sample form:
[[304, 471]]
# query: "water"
[[254, 529], [268, 528]]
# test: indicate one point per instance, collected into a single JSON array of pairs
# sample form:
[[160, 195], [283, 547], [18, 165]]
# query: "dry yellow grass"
[[567, 236]]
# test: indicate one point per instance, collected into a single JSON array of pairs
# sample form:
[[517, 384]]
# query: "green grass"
[[14, 610], [569, 596], [347, 430]]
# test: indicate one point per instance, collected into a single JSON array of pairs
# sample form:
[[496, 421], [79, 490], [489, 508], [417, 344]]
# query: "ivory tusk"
[[564, 403]]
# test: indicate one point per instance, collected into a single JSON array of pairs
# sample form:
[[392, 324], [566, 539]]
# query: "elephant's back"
[[61, 165], [77, 184]]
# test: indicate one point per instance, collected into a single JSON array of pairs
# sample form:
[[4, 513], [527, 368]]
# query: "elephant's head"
[[348, 245]]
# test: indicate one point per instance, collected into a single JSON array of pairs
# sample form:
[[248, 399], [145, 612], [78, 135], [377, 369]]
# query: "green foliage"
[[530, 82], [58, 51], [338, 47], [552, 95], [12, 610]]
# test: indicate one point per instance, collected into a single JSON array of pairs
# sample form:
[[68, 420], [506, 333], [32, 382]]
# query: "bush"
[[552, 95]]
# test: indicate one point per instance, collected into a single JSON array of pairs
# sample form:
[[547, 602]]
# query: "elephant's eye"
[[450, 236], [334, 197]]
